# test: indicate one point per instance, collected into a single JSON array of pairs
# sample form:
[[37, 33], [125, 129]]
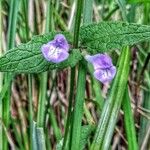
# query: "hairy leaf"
[[85, 133], [27, 58], [86, 130], [107, 36]]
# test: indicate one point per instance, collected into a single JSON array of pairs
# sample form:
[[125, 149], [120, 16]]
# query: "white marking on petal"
[[54, 51], [106, 74]]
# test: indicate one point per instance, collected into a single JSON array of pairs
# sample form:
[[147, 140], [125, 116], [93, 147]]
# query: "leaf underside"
[[106, 36]]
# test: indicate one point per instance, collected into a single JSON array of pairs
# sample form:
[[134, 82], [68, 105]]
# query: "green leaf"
[[129, 122], [107, 36], [86, 130], [59, 144], [40, 138], [27, 58], [34, 136]]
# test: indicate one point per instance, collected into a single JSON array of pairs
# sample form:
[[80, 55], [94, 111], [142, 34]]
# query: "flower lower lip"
[[54, 51], [104, 70]]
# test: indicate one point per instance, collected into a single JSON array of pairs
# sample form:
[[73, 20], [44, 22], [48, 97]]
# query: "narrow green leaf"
[[27, 58], [34, 136], [5, 88], [54, 124], [122, 6], [144, 122], [78, 108], [1, 78], [59, 145], [107, 36], [129, 123], [87, 12], [76, 120], [12, 25], [40, 138], [30, 109]]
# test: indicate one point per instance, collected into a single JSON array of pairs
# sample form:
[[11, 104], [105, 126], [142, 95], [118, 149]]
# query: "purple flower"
[[104, 69], [56, 50]]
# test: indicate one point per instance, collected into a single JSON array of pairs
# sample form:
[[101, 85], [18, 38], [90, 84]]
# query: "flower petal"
[[105, 75], [56, 50], [53, 54], [45, 50], [61, 42], [99, 61], [59, 57]]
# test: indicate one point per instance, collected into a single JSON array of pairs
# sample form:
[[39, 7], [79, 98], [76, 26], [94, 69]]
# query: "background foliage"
[[62, 106]]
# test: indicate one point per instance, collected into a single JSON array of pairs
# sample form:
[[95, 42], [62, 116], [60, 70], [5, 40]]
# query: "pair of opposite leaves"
[[57, 51]]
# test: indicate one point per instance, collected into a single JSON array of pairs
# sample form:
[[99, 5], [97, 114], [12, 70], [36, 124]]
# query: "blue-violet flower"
[[56, 50], [104, 69]]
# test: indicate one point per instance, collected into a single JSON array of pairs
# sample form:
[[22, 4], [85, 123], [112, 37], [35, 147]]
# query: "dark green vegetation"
[[62, 106]]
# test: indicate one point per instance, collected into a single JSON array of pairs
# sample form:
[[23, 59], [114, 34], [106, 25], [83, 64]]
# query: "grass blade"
[[129, 123], [78, 109], [14, 7], [30, 109], [1, 77], [40, 138], [34, 139]]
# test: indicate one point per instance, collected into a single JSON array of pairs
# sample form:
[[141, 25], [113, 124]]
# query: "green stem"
[[43, 80], [17, 134], [25, 10], [78, 108], [60, 20], [51, 114], [49, 16], [42, 100], [77, 22], [1, 79], [30, 110], [43, 83], [53, 122], [72, 81], [14, 7]]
